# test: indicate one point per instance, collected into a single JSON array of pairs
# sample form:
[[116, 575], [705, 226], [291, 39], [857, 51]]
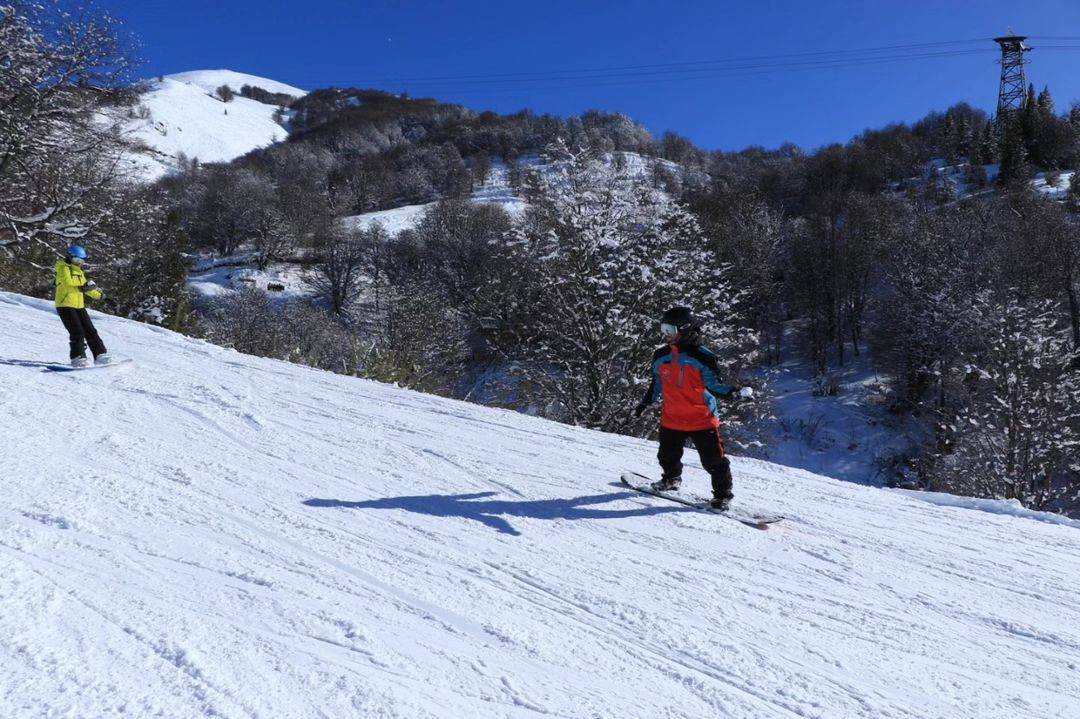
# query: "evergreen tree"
[[1015, 170], [985, 151], [950, 139], [1045, 102], [964, 141], [1072, 198], [1049, 139], [1074, 122]]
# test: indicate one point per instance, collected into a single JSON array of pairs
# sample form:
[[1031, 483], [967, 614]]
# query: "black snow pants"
[[710, 448], [81, 332]]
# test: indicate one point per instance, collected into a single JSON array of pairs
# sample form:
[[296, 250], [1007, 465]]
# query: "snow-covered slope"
[[210, 534], [848, 435], [211, 80], [182, 115], [495, 191]]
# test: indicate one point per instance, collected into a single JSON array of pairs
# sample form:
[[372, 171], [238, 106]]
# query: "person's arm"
[[711, 375], [90, 289], [651, 393]]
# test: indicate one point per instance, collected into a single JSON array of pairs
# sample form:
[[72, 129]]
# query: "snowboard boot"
[[103, 358], [667, 484], [721, 504], [80, 362]]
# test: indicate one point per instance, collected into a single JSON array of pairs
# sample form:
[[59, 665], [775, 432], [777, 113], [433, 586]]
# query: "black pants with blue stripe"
[[710, 448], [80, 332]]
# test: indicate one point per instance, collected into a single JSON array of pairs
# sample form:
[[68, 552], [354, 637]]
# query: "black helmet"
[[681, 319], [678, 316]]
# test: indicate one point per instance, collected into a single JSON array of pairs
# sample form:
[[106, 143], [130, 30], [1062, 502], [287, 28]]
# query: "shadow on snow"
[[27, 363], [491, 512]]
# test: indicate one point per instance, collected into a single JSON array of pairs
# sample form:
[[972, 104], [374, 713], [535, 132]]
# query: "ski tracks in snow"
[[237, 537]]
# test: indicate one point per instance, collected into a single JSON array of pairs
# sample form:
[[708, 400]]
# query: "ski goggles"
[[668, 330]]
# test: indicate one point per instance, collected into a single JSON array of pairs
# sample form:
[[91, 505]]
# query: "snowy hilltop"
[[183, 114], [204, 533]]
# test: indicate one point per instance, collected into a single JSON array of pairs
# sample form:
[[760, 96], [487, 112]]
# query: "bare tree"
[[341, 262]]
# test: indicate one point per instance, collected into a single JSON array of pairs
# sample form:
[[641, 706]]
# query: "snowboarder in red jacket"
[[686, 378]]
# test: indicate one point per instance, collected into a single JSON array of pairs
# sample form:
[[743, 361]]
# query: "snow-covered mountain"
[[208, 533], [181, 114]]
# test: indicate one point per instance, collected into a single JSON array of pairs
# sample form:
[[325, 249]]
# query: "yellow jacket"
[[69, 282]]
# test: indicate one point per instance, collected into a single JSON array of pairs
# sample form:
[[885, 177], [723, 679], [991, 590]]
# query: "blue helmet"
[[77, 252]]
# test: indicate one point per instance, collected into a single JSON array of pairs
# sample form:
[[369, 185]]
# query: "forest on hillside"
[[922, 243]]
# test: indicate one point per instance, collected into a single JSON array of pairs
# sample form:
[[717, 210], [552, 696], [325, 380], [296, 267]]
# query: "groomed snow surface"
[[210, 534]]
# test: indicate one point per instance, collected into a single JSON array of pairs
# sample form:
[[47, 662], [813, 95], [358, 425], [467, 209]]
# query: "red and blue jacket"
[[686, 379]]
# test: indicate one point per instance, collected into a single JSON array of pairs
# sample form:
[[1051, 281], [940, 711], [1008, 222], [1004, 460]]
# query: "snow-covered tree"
[[1015, 432], [923, 320], [423, 311], [60, 65], [142, 266], [420, 340], [752, 238], [602, 254]]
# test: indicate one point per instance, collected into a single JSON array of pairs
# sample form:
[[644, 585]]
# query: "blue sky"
[[405, 44]]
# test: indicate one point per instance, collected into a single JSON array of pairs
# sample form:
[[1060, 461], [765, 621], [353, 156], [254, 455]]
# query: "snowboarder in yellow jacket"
[[72, 289]]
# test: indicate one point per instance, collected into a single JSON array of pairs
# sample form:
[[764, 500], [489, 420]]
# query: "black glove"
[[90, 286], [640, 409]]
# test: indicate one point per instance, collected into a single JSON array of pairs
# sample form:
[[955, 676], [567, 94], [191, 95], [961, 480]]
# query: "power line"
[[825, 55], [832, 62], [649, 74], [641, 78], [672, 76]]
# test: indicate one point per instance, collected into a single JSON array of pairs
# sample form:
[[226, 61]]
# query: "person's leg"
[[710, 447], [670, 453], [97, 347], [70, 318]]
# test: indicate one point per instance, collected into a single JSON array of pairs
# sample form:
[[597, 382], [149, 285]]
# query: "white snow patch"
[[211, 80], [1056, 191], [284, 281], [393, 221], [184, 116], [1009, 507]]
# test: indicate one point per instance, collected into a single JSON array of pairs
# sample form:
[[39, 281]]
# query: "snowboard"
[[641, 483], [69, 368]]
